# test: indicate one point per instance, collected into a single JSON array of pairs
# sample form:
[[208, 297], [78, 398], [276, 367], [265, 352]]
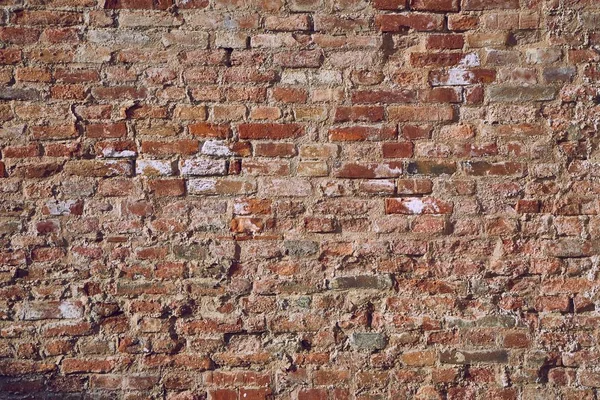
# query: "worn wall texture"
[[299, 199]]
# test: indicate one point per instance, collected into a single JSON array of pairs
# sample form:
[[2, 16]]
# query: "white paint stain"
[[415, 206], [470, 60], [69, 310], [386, 171]]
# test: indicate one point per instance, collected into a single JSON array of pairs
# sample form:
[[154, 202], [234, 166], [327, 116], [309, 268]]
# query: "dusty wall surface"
[[299, 199]]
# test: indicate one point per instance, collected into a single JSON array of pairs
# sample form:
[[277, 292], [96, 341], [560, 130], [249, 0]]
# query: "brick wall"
[[299, 199]]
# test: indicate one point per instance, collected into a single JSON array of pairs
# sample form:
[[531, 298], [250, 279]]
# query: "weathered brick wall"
[[299, 199]]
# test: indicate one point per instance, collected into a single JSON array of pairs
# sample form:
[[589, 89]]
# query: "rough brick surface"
[[299, 199]]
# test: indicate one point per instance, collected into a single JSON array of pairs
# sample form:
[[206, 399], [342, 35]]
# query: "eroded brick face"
[[299, 199]]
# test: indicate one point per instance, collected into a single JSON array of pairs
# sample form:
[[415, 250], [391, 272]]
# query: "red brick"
[[182, 146], [275, 149], [144, 111], [60, 35], [312, 394], [116, 130], [397, 150], [10, 56], [62, 149], [45, 17], [435, 5], [32, 150], [319, 224], [528, 206], [361, 133], [255, 394], [459, 22], [359, 113], [37, 170], [222, 394], [470, 5], [445, 42], [76, 75], [414, 186], [33, 74], [54, 132], [389, 4], [138, 4], [404, 22], [19, 35], [270, 131], [441, 95], [208, 130], [289, 95], [369, 170]]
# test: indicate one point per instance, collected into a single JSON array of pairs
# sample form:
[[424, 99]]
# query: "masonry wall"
[[299, 199]]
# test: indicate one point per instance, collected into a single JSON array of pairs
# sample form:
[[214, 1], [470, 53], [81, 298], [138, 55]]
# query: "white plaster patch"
[[110, 152], [241, 208], [70, 310], [153, 167], [201, 186], [470, 60], [326, 77], [456, 77], [56, 207], [294, 78], [203, 167], [217, 148]]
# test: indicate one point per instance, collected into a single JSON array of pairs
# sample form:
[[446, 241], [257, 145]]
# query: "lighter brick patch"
[[154, 167], [470, 60], [216, 148], [57, 207], [201, 186], [69, 310], [203, 167], [111, 152], [385, 171]]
